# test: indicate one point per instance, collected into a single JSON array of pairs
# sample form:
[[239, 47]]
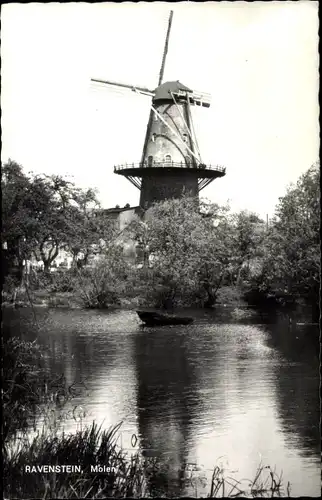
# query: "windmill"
[[171, 162]]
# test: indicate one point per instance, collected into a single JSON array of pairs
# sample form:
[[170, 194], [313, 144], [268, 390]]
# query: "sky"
[[258, 60]]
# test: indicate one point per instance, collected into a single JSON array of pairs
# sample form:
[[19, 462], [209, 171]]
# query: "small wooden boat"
[[151, 318]]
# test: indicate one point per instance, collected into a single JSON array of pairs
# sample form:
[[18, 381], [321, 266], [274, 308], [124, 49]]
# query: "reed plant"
[[86, 448], [130, 474], [28, 390], [266, 483]]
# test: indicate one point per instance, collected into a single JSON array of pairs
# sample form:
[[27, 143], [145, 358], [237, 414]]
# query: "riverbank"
[[227, 296], [240, 302], [41, 298]]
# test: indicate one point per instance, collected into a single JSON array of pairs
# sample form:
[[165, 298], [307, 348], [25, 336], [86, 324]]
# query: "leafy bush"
[[102, 285], [291, 249], [63, 281]]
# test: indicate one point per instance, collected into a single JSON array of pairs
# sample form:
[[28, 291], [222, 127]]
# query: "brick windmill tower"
[[171, 163]]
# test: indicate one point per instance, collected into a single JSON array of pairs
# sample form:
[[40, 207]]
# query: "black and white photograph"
[[160, 188]]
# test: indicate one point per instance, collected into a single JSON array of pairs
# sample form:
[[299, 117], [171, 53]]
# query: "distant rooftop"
[[116, 210]]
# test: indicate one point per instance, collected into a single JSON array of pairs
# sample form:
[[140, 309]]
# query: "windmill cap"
[[164, 91]]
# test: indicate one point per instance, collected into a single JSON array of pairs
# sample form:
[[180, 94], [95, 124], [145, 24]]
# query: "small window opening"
[[150, 161], [168, 159], [154, 136], [185, 137]]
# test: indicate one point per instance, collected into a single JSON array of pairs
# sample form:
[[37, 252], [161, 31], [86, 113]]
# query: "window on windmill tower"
[[154, 136], [168, 159], [150, 161], [185, 137]]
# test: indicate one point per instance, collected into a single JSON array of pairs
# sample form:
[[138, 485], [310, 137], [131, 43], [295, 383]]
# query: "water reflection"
[[297, 383], [193, 394], [167, 398]]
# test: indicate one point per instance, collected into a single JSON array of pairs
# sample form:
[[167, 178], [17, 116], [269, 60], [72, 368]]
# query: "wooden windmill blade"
[[161, 74], [201, 99], [165, 52], [196, 98], [134, 88]]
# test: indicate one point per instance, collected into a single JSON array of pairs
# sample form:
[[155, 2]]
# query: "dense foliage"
[[103, 284], [42, 215], [187, 251], [291, 250]]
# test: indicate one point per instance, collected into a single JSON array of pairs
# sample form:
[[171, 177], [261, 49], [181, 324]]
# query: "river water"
[[219, 391]]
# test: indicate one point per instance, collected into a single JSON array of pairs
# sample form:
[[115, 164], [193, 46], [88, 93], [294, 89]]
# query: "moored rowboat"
[[151, 318]]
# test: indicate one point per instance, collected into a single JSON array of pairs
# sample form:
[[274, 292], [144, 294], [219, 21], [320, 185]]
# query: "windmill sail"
[[165, 52]]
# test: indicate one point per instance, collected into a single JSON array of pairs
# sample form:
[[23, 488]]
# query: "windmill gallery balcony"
[[167, 171], [172, 164]]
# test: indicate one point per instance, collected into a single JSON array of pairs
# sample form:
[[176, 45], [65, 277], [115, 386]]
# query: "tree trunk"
[[211, 297], [211, 300], [168, 304], [145, 258], [20, 272], [86, 257], [53, 252], [18, 280], [315, 313], [238, 278], [46, 266]]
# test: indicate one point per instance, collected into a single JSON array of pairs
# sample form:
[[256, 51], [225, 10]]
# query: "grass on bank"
[[28, 390], [134, 475]]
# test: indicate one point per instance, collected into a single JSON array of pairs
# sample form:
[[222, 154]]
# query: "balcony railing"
[[169, 164]]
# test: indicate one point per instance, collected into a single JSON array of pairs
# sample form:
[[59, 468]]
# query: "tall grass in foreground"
[[28, 391], [133, 475], [265, 483]]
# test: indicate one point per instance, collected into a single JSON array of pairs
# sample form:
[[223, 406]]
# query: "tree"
[[89, 228], [16, 217], [45, 214], [292, 249], [248, 233], [104, 283], [186, 250]]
